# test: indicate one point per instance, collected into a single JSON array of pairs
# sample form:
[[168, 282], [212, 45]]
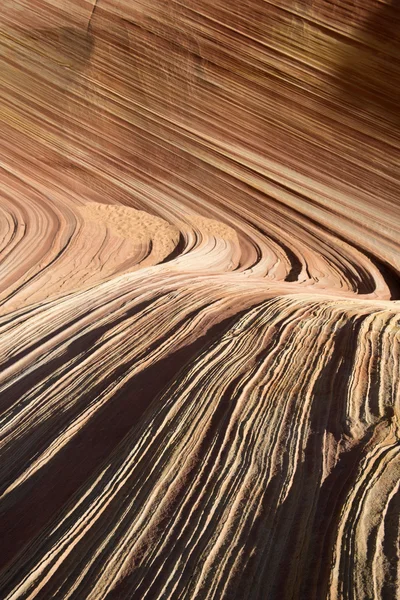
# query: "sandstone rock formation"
[[199, 299]]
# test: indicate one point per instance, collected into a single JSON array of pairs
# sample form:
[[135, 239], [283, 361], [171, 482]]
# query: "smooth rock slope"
[[199, 299]]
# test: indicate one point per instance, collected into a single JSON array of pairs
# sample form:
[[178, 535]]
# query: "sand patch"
[[137, 226], [215, 228]]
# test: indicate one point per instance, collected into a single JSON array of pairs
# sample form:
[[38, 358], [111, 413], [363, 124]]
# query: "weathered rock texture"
[[199, 284]]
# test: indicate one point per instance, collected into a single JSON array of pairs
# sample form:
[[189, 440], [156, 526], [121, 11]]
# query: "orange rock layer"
[[199, 299]]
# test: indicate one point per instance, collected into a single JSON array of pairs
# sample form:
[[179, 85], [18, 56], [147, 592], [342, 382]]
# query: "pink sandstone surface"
[[199, 299]]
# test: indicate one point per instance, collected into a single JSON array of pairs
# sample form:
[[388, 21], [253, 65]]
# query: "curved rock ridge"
[[199, 300]]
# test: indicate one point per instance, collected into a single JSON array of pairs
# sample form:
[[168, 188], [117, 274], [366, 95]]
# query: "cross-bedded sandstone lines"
[[267, 466], [129, 121], [50, 249], [199, 300]]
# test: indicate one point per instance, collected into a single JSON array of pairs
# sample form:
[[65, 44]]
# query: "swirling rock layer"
[[199, 299]]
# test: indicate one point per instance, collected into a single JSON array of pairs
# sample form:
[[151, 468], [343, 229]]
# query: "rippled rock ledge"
[[199, 299]]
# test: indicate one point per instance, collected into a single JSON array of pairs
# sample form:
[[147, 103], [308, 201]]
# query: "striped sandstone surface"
[[199, 299]]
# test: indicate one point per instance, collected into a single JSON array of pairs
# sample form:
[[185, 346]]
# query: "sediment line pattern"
[[199, 300]]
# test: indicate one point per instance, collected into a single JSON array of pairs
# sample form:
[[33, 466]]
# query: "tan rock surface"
[[199, 299]]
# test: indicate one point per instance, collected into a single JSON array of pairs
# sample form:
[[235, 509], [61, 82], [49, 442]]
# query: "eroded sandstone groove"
[[199, 299]]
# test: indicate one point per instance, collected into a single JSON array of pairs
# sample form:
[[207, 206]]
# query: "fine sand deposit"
[[199, 299]]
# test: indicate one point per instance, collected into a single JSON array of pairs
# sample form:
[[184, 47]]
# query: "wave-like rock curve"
[[199, 300]]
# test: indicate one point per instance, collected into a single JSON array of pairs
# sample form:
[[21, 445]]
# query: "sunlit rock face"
[[199, 299]]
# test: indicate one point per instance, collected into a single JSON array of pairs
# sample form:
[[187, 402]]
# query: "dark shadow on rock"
[[370, 66]]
